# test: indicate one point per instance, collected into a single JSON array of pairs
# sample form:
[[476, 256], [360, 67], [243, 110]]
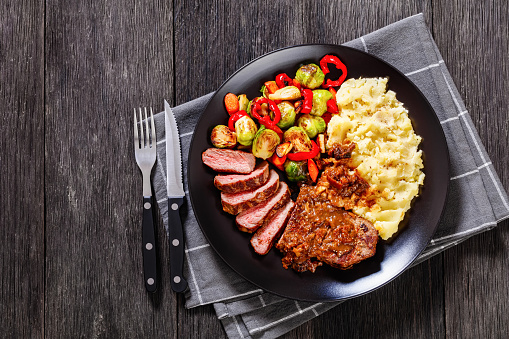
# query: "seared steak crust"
[[234, 203], [255, 217], [234, 183], [267, 235]]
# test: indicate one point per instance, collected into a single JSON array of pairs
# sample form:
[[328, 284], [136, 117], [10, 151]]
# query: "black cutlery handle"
[[178, 282], [149, 246]]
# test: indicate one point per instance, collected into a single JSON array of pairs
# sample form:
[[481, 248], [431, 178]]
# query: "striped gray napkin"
[[476, 202]]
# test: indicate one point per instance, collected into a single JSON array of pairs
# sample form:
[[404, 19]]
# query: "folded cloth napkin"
[[476, 200]]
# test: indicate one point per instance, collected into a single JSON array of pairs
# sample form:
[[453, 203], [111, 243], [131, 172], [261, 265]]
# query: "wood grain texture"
[[102, 59], [475, 47], [22, 165], [72, 71]]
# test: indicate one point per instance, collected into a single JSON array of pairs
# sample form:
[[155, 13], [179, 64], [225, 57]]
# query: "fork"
[[145, 153]]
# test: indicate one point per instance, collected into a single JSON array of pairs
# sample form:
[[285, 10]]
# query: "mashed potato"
[[386, 154]]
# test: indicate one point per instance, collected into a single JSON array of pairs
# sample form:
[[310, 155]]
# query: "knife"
[[176, 194]]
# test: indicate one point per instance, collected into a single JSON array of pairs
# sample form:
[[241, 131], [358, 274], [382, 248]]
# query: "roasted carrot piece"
[[231, 102], [278, 161], [313, 170], [271, 86]]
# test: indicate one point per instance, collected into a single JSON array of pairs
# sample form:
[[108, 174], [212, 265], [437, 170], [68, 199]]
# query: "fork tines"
[[150, 139]]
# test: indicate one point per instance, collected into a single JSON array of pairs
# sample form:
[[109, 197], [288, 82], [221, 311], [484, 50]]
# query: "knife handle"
[[178, 282], [149, 246]]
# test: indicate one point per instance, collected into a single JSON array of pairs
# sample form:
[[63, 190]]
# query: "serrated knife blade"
[[174, 185], [176, 194]]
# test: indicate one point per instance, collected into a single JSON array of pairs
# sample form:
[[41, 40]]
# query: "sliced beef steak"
[[255, 217], [267, 235], [227, 160], [233, 183], [320, 232], [234, 203]]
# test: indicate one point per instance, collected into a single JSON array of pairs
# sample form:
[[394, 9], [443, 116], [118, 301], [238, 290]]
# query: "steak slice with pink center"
[[255, 217], [265, 237], [234, 203], [227, 160], [234, 183]]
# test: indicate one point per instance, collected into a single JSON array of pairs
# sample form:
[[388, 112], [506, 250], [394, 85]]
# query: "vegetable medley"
[[286, 124]]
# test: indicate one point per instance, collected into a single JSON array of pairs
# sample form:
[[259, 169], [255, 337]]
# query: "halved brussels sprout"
[[299, 139], [311, 124], [296, 170], [243, 102], [320, 98], [287, 114], [265, 143], [310, 76], [246, 129], [223, 137], [286, 93]]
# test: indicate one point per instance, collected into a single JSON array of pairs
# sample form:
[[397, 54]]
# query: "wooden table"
[[71, 73]]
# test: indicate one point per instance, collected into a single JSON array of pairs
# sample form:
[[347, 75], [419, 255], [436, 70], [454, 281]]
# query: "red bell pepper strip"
[[332, 59], [332, 107], [313, 170], [233, 119], [307, 104], [273, 107], [283, 80], [300, 156], [326, 117], [333, 91]]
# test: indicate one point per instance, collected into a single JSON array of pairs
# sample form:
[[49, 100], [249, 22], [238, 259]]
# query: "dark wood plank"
[[22, 163], [102, 59], [212, 40], [475, 46]]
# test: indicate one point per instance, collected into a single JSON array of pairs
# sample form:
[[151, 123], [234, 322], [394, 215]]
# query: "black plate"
[[326, 284]]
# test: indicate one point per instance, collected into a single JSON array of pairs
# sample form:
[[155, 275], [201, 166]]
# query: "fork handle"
[[149, 246], [178, 282]]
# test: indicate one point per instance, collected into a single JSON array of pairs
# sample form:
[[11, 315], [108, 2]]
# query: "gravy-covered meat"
[[320, 232], [345, 188]]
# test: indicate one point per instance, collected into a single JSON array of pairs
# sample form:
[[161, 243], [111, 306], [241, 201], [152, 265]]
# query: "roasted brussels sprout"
[[296, 170], [310, 76], [320, 98], [286, 93], [283, 149], [265, 143], [223, 137], [246, 129], [264, 91], [243, 102], [287, 114], [299, 139], [311, 124]]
